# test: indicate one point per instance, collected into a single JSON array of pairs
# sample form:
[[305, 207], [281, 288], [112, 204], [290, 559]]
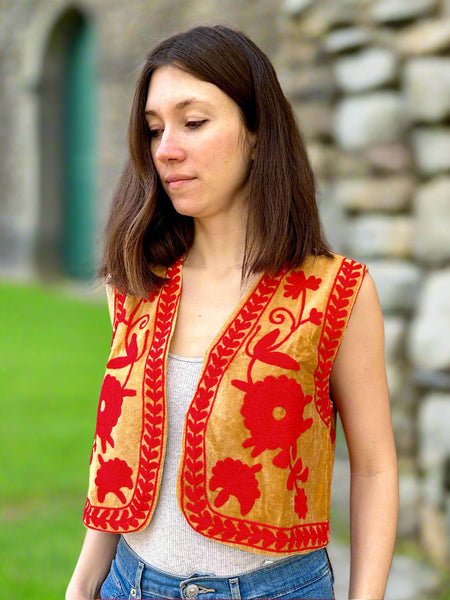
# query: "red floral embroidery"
[[297, 283], [300, 504], [273, 413], [236, 479], [112, 476], [315, 316], [110, 408]]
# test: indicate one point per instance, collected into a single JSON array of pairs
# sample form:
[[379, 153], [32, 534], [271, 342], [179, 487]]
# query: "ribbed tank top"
[[168, 542]]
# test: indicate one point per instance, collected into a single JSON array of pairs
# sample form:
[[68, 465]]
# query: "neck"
[[218, 246]]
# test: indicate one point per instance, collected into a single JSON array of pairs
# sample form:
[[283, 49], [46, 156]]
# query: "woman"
[[225, 298]]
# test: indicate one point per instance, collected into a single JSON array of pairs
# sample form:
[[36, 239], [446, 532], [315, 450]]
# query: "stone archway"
[[67, 115]]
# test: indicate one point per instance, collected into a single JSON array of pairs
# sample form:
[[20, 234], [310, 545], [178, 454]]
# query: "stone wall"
[[370, 82]]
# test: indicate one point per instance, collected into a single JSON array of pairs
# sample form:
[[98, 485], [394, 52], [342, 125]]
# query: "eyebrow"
[[182, 104]]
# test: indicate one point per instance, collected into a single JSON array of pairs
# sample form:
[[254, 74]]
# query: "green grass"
[[53, 350]]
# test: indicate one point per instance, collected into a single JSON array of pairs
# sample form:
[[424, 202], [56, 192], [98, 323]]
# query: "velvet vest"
[[259, 434]]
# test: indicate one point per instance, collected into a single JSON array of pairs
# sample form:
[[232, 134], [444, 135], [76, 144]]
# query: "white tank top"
[[169, 543]]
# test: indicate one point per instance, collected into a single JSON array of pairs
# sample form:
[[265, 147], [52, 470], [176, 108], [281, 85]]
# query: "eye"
[[155, 133], [196, 124]]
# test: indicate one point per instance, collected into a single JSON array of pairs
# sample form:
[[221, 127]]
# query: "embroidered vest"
[[258, 442]]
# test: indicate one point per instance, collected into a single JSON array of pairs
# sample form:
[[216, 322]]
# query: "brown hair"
[[283, 225]]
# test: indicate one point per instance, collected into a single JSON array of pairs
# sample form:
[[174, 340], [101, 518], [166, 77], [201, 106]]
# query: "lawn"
[[54, 349]]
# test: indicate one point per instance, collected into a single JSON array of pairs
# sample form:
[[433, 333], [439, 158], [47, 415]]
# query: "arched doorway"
[[67, 131]]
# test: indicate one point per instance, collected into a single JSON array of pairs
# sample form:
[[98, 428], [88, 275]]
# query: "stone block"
[[403, 422], [390, 157], [432, 149], [398, 283], [409, 497], [350, 163], [429, 342], [294, 8], [395, 335], [315, 119], [373, 118], [348, 38], [377, 236], [427, 37], [427, 87], [309, 83], [434, 444], [374, 194], [393, 11], [371, 68], [432, 212]]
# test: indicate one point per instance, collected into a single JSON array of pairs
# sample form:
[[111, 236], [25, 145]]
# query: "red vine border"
[[338, 311], [139, 510]]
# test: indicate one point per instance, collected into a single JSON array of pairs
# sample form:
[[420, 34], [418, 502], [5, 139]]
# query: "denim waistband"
[[284, 575]]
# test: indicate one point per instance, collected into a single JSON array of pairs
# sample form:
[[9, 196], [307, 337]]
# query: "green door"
[[79, 143]]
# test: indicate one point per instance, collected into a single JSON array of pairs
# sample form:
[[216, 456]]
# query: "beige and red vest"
[[259, 434]]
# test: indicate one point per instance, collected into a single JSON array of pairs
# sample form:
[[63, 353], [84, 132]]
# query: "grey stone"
[[380, 194], [432, 212], [410, 496], [398, 283], [395, 333], [425, 38], [390, 157], [346, 39], [370, 119], [429, 342], [403, 423], [309, 83], [432, 149], [295, 7], [369, 69], [390, 11], [315, 119], [378, 235], [434, 447], [350, 163], [427, 87]]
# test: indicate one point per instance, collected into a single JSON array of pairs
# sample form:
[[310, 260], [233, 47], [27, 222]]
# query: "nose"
[[168, 147]]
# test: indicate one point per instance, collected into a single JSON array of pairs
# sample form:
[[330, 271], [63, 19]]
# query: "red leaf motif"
[[279, 359], [315, 316], [265, 342], [300, 504], [297, 474], [133, 348], [119, 362]]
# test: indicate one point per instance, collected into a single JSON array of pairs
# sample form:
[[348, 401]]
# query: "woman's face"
[[200, 147]]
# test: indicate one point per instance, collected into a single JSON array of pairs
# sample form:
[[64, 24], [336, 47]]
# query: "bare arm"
[[99, 548], [360, 391], [93, 565]]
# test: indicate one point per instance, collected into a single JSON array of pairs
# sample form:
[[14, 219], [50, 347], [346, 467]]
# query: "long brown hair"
[[283, 225]]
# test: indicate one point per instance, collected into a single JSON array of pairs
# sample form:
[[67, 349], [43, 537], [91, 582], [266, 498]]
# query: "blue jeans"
[[308, 576]]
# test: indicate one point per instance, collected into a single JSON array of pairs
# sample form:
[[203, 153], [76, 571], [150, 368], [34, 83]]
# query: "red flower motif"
[[300, 504], [315, 316], [110, 408], [111, 477], [236, 479], [273, 413], [297, 283]]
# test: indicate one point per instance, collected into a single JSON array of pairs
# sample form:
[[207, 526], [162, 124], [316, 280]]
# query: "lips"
[[178, 181]]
